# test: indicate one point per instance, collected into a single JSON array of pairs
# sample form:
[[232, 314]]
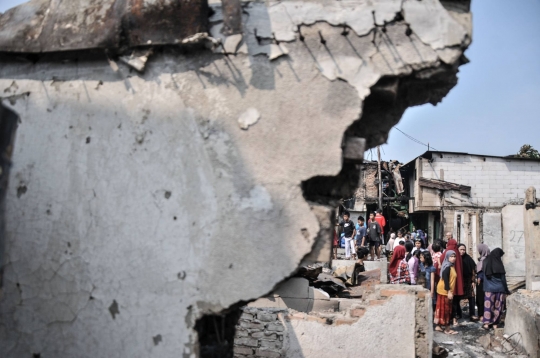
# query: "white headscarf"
[[390, 244]]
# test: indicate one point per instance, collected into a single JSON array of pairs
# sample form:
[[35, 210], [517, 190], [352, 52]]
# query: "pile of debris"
[[345, 279]]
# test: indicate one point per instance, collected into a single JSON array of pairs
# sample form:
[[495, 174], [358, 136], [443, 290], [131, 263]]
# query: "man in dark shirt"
[[361, 231], [374, 234], [349, 230]]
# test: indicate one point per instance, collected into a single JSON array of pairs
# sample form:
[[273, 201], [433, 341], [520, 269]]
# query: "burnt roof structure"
[[55, 26]]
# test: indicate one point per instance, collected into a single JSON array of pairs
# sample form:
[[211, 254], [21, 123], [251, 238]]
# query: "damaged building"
[[479, 198], [149, 133], [393, 198]]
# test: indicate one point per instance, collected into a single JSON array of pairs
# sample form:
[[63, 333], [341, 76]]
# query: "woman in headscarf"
[[445, 295], [412, 261], [469, 273], [399, 270], [495, 288], [458, 290], [483, 251]]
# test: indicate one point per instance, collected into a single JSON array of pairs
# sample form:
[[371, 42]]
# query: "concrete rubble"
[[131, 181]]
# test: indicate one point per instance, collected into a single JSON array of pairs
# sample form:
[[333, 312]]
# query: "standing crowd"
[[444, 268], [452, 276]]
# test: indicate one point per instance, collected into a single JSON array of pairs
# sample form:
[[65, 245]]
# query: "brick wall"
[[494, 181], [368, 189], [259, 333]]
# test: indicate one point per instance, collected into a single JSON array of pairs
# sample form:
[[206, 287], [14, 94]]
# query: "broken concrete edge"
[[522, 322], [237, 42]]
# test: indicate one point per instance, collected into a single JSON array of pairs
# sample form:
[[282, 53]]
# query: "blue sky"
[[495, 107], [7, 4]]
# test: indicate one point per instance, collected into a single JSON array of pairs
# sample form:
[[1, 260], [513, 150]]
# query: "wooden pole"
[[380, 176]]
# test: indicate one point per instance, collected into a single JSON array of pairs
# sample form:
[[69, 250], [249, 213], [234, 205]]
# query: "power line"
[[416, 140]]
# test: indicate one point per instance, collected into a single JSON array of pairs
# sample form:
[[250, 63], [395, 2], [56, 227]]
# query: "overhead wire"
[[416, 140]]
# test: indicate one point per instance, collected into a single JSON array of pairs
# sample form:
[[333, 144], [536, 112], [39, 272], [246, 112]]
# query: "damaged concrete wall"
[[139, 203], [347, 331], [522, 321]]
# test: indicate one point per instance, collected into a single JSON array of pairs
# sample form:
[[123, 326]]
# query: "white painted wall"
[[494, 182]]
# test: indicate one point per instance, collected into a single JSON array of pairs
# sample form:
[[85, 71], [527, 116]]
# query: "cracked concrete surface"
[[99, 262]]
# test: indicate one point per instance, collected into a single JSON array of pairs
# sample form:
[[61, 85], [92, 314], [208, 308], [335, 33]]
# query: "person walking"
[[483, 251], [349, 230], [469, 273], [495, 288], [445, 295], [399, 269], [458, 266]]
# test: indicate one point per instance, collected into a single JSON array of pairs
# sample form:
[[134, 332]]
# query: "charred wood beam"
[[56, 26], [232, 17]]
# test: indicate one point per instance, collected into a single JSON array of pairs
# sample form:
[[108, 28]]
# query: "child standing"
[[445, 293]]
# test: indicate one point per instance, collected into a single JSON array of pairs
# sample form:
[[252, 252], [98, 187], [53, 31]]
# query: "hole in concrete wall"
[[330, 189], [216, 332]]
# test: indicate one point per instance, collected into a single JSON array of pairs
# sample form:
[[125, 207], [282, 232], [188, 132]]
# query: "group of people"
[[361, 234], [451, 275]]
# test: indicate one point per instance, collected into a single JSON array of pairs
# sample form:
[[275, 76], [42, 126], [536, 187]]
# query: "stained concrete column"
[[531, 221], [492, 230]]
